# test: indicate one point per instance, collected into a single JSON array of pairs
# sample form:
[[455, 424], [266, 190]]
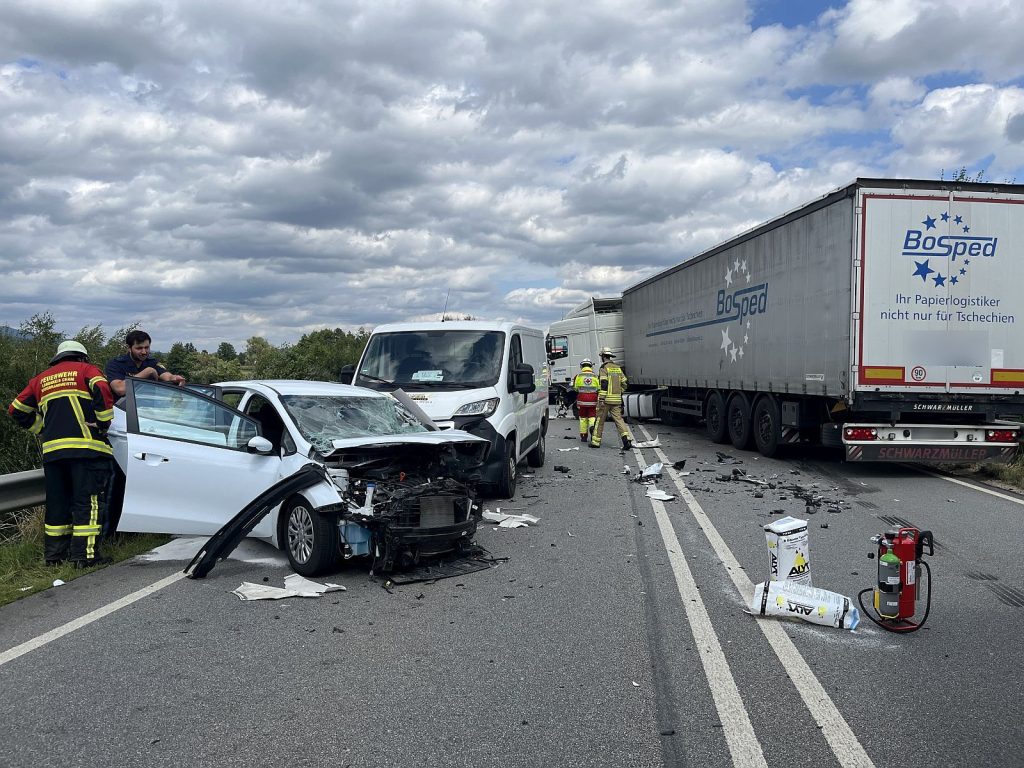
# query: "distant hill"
[[14, 333]]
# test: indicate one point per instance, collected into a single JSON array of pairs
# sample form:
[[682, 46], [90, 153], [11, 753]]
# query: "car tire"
[[507, 482], [308, 538], [535, 458], [714, 419], [766, 426]]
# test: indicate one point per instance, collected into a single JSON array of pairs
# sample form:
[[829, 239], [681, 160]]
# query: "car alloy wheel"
[[300, 533]]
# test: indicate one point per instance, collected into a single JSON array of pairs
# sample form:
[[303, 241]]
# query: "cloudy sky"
[[219, 169]]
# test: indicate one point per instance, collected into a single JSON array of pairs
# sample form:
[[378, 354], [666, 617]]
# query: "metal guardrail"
[[21, 489]]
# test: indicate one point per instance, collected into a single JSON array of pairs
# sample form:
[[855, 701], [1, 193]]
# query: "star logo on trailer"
[[739, 301], [943, 248]]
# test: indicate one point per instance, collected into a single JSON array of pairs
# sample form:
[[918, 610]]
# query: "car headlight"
[[479, 408]]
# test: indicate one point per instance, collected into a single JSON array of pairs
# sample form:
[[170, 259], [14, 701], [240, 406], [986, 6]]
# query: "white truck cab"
[[580, 335], [489, 379]]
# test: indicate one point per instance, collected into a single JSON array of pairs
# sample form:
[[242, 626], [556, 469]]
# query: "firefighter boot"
[[627, 444]]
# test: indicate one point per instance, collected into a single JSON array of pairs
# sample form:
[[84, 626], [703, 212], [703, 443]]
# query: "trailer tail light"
[[861, 433], [1001, 435]]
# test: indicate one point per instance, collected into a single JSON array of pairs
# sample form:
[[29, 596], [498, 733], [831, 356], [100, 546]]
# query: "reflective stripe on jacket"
[[60, 404], [587, 386], [613, 382]]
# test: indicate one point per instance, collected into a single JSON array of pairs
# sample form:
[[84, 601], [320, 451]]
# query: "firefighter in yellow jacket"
[[609, 400], [70, 405]]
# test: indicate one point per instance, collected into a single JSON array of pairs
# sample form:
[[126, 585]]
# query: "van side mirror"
[[348, 372], [522, 380]]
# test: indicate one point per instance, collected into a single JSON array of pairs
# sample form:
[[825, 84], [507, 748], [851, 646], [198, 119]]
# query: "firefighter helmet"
[[586, 363], [607, 352], [69, 348]]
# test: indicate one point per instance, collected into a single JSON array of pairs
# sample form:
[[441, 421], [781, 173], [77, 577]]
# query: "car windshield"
[[323, 418], [429, 359]]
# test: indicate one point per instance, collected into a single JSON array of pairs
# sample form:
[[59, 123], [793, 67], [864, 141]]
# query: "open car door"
[[188, 464]]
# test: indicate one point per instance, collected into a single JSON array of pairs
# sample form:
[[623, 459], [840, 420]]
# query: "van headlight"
[[480, 408]]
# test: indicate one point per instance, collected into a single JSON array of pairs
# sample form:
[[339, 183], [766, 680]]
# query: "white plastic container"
[[789, 551]]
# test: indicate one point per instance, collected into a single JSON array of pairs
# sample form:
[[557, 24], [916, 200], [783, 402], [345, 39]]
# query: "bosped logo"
[[739, 304], [958, 245]]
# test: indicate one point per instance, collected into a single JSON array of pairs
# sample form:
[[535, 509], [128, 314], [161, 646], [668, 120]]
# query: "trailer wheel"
[[714, 419], [766, 427], [738, 420]]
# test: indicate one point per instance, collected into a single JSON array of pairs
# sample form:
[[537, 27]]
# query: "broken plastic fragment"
[[302, 584], [58, 582], [658, 494], [655, 443], [505, 520]]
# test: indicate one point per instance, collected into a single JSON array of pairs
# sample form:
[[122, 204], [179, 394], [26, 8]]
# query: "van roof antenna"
[[445, 310]]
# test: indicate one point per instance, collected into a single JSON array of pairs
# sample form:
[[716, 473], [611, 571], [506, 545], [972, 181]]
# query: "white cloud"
[[217, 170]]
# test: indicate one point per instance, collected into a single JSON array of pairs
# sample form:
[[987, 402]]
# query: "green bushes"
[[319, 355]]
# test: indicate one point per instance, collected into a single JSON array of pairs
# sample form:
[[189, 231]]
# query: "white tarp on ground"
[[294, 586], [505, 520]]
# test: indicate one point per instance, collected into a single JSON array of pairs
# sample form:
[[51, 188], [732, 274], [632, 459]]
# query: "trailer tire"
[[670, 418], [738, 421], [714, 419], [766, 426]]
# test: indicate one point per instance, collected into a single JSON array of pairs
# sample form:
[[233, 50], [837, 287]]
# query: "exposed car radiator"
[[432, 511]]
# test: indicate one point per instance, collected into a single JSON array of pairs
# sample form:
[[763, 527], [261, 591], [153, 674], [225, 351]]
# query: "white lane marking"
[[739, 732], [972, 486], [836, 730], [54, 634]]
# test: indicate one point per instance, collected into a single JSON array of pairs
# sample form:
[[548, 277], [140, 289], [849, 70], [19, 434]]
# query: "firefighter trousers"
[[75, 508], [614, 410]]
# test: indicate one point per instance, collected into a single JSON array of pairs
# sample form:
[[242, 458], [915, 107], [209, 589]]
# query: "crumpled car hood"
[[441, 438]]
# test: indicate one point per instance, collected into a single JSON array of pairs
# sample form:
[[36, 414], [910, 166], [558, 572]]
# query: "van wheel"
[[714, 419], [738, 417], [535, 458], [507, 483], [308, 538], [766, 426]]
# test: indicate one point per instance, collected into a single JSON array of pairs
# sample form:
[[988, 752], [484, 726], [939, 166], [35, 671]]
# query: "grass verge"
[[22, 571]]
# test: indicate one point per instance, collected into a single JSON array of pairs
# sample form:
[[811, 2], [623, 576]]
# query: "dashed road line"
[[837, 732]]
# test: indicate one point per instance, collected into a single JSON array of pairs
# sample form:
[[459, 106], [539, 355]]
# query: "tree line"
[[317, 356]]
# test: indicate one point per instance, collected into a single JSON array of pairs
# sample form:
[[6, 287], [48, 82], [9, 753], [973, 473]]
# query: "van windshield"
[[438, 359]]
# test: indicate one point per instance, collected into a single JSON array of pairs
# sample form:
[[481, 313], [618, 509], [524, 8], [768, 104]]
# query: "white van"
[[489, 379]]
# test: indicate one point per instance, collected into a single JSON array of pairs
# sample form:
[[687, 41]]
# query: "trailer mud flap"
[[224, 541], [933, 454]]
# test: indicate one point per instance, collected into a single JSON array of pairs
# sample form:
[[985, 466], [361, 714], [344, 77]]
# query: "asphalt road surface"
[[614, 634]]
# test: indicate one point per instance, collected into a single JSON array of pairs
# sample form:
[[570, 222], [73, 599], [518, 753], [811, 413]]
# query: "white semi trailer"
[[886, 317]]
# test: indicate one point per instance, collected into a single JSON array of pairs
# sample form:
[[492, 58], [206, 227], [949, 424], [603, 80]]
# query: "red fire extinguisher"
[[900, 552]]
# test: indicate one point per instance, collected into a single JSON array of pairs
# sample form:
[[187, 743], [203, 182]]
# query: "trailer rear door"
[[940, 282]]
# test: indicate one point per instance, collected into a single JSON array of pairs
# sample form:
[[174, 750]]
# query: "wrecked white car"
[[377, 479]]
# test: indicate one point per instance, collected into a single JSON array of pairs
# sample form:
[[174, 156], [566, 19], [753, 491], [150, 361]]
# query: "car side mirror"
[[522, 379], [260, 445], [348, 372]]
